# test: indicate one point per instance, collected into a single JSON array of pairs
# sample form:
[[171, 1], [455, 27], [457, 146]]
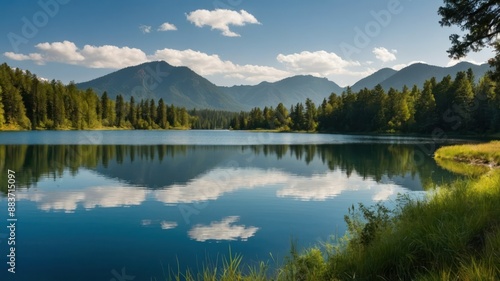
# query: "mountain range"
[[181, 86]]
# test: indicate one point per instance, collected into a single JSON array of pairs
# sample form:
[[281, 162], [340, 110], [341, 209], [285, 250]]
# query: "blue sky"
[[227, 41]]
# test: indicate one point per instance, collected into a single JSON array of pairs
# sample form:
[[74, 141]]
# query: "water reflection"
[[138, 206], [215, 183], [181, 168], [226, 229], [68, 200]]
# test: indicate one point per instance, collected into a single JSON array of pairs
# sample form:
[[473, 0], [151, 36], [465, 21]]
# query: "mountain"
[[373, 80], [417, 73], [287, 91], [176, 85], [183, 87]]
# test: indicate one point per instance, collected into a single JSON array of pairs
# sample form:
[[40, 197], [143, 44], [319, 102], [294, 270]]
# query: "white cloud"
[[65, 51], [205, 64], [384, 55], [106, 56], [220, 19], [319, 63], [167, 27], [109, 56], [145, 28], [222, 230], [37, 58], [403, 65]]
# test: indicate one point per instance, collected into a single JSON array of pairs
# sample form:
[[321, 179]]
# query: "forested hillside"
[[458, 104], [28, 102]]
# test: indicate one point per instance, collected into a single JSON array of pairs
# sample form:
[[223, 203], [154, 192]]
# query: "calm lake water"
[[95, 205]]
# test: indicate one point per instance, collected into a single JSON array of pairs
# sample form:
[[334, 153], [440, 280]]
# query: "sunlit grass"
[[486, 153]]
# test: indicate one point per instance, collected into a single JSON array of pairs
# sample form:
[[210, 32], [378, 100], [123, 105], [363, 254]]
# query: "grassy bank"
[[454, 234], [481, 154]]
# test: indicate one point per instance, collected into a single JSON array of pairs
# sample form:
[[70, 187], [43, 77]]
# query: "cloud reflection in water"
[[210, 186], [222, 230]]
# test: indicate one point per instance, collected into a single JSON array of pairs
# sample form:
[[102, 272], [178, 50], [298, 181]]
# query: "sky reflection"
[[209, 187]]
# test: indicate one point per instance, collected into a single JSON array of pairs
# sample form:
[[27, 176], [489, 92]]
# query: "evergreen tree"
[[184, 118], [281, 118], [120, 110], [92, 100], [425, 109], [172, 116], [486, 113], [161, 115], [105, 108], [298, 118], [398, 110], [311, 116], [152, 113], [462, 96], [132, 114], [2, 118]]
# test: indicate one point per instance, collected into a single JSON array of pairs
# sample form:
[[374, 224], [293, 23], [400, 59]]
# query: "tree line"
[[27, 102], [459, 105]]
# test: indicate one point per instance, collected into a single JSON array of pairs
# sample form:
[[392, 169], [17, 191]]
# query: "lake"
[[100, 205]]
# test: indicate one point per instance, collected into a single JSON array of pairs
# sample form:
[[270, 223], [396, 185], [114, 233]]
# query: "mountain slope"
[[287, 91], [176, 85], [416, 74], [372, 80]]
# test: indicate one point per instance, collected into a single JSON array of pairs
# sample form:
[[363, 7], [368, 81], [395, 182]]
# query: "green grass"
[[453, 234], [479, 154]]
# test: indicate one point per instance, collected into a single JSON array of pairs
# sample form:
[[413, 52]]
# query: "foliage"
[[451, 105], [26, 102], [481, 21], [480, 18]]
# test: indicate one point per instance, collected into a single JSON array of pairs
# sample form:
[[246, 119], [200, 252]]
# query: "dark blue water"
[[94, 205]]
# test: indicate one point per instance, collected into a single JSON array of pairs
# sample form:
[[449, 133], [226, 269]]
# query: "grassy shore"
[[481, 154], [453, 234]]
